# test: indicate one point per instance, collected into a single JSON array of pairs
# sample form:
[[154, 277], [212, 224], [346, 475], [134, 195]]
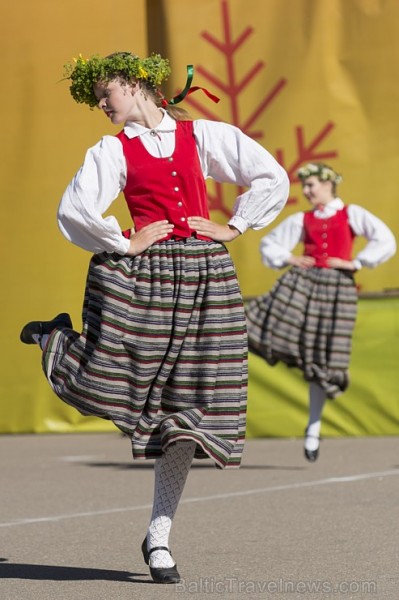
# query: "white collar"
[[329, 209], [167, 124]]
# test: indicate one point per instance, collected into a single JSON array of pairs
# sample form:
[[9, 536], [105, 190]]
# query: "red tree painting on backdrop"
[[228, 47]]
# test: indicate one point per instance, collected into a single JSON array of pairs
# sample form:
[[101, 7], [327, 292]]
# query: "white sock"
[[171, 472], [317, 398]]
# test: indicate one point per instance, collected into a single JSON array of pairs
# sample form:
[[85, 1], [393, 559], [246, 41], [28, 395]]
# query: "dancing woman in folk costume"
[[307, 319], [163, 349]]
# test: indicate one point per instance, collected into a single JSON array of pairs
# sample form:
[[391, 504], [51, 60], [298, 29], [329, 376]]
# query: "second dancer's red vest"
[[171, 188], [325, 238]]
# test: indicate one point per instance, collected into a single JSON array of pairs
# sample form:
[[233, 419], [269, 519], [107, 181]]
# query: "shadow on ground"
[[56, 573]]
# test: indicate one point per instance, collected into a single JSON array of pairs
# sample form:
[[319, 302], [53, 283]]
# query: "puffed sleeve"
[[381, 241], [91, 192], [227, 155], [276, 246]]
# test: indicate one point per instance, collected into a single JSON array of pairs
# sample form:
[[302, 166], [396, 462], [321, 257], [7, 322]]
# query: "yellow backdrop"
[[309, 79]]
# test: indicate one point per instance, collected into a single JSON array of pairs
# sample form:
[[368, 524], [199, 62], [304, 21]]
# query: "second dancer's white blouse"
[[276, 247]]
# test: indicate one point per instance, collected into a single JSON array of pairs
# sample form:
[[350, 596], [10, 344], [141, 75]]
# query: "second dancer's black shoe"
[[311, 455]]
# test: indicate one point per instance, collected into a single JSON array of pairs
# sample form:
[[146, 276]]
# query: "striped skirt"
[[163, 351], [306, 321]]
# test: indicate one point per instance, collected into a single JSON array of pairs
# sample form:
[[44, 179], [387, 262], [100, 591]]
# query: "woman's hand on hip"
[[340, 263], [303, 262], [147, 236], [220, 233]]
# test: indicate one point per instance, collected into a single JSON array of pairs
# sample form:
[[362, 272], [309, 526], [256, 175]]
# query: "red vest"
[[332, 237], [171, 188]]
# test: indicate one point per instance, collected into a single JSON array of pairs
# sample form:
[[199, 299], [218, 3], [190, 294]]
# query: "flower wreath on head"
[[321, 171], [85, 72]]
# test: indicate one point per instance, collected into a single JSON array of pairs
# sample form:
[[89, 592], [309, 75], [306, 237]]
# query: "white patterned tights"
[[171, 472]]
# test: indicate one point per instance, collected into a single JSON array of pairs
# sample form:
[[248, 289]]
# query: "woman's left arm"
[[227, 155], [381, 241]]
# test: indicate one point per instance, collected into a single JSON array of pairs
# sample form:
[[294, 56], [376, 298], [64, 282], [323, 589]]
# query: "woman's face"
[[316, 191], [117, 100]]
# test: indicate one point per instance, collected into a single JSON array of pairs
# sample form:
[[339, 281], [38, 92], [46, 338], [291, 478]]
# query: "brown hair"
[[177, 113]]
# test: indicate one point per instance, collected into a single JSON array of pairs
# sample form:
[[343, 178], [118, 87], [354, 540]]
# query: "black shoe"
[[144, 550], [165, 575], [44, 327], [311, 455]]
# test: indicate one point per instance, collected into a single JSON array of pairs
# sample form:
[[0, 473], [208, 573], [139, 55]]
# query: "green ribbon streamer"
[[183, 94]]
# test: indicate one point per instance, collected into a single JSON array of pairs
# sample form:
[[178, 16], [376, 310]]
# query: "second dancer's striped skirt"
[[306, 321]]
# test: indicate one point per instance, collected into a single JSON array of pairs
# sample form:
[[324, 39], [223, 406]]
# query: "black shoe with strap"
[[40, 328], [160, 575]]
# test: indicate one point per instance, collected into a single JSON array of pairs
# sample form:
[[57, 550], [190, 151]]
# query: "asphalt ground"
[[74, 510]]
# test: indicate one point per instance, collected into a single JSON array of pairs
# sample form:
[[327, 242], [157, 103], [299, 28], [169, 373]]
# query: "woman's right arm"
[[88, 196], [276, 247]]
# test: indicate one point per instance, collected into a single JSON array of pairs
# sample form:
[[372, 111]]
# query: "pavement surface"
[[74, 510]]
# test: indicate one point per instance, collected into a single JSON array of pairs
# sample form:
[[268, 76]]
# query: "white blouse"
[[226, 155], [276, 247]]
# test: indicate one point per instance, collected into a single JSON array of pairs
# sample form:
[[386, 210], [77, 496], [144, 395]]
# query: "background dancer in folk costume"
[[163, 350], [307, 319]]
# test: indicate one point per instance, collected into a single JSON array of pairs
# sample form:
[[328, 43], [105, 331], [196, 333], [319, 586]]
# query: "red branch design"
[[228, 46], [232, 88], [306, 153]]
